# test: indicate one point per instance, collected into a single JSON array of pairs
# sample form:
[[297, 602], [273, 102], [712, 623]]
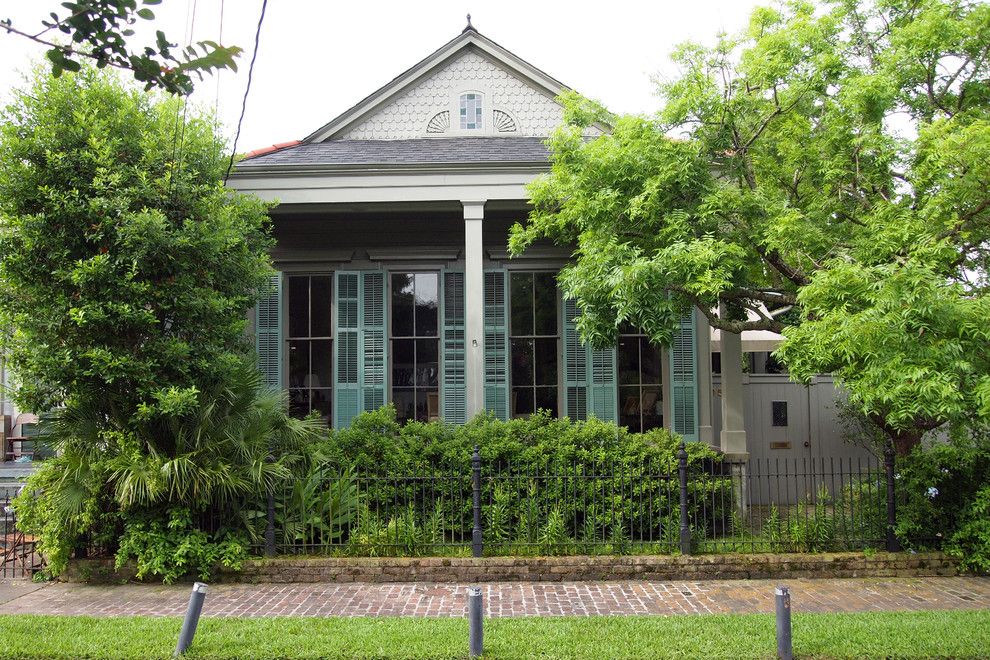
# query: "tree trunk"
[[904, 440]]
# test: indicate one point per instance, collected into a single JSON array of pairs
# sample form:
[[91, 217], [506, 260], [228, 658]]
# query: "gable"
[[511, 106]]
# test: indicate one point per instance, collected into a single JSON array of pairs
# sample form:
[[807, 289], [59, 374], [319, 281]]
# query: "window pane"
[[522, 361], [299, 306], [629, 408], [521, 292], [403, 361], [650, 366], [426, 304], [427, 362], [546, 303], [298, 363], [652, 406], [319, 296], [405, 403], [546, 362], [321, 400], [422, 406], [298, 403], [432, 399], [321, 365], [546, 399], [402, 305], [627, 358], [522, 401], [778, 410]]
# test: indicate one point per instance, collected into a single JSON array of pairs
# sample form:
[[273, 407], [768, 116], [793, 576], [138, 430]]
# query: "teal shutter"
[[268, 333], [371, 372], [359, 370], [496, 345], [602, 383], [453, 391], [575, 366], [684, 379], [346, 388]]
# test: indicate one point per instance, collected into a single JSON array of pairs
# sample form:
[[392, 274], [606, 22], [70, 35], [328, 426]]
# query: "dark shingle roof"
[[420, 151]]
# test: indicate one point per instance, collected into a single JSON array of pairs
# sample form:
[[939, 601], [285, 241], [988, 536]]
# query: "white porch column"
[[733, 436], [474, 305], [703, 331]]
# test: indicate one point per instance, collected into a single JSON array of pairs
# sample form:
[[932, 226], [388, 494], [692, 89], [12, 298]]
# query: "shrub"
[[971, 541], [171, 546], [937, 485], [549, 485]]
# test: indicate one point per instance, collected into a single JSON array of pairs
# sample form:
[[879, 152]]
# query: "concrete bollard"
[[785, 648], [189, 624], [476, 633]]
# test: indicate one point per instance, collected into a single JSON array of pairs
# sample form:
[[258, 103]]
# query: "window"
[[639, 381], [310, 345], [533, 337], [415, 346], [471, 109], [778, 410]]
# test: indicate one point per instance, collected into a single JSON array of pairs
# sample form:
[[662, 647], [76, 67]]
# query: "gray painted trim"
[[501, 254], [418, 254], [248, 170], [297, 256]]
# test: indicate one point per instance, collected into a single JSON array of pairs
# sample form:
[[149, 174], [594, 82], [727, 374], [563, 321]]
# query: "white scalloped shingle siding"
[[407, 115]]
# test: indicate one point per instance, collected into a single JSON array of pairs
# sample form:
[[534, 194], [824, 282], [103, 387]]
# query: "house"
[[395, 284]]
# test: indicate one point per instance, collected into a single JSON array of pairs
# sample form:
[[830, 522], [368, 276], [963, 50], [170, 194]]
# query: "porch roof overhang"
[[753, 341], [330, 184]]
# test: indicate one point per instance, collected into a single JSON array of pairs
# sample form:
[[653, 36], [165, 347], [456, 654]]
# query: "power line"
[[247, 90], [216, 100]]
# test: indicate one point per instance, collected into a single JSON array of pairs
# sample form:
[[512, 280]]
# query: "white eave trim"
[[314, 186]]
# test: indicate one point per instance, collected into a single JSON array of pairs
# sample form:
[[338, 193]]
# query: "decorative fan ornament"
[[440, 122], [503, 122]]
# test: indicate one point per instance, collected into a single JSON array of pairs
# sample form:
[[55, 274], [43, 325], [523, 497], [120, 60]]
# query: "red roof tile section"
[[275, 147]]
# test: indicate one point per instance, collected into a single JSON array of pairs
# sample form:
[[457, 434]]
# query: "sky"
[[317, 59]]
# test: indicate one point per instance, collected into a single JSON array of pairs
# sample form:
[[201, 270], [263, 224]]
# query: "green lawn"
[[890, 634]]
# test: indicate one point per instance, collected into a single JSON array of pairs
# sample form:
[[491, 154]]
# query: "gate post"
[[270, 518], [685, 535], [893, 545]]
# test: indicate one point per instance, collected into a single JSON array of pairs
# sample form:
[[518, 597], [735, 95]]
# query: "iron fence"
[[472, 508], [650, 507], [19, 557]]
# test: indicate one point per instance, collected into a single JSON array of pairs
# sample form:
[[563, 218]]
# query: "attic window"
[[471, 111]]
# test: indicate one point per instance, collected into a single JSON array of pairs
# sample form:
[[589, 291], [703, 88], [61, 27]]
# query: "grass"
[[878, 634]]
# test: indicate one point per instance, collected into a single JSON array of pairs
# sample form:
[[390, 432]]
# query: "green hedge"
[[549, 486]]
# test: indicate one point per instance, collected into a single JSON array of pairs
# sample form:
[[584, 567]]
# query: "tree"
[[126, 268], [126, 274], [99, 29], [825, 174]]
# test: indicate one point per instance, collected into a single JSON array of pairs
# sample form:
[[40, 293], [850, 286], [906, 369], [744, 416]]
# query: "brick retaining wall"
[[559, 569]]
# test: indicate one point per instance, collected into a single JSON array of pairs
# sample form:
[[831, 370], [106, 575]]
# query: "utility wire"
[[179, 136], [247, 90], [216, 100]]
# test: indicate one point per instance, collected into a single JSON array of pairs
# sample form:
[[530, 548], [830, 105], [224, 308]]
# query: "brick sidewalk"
[[510, 598]]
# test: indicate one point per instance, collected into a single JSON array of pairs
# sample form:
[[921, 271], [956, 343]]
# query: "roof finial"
[[468, 26]]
